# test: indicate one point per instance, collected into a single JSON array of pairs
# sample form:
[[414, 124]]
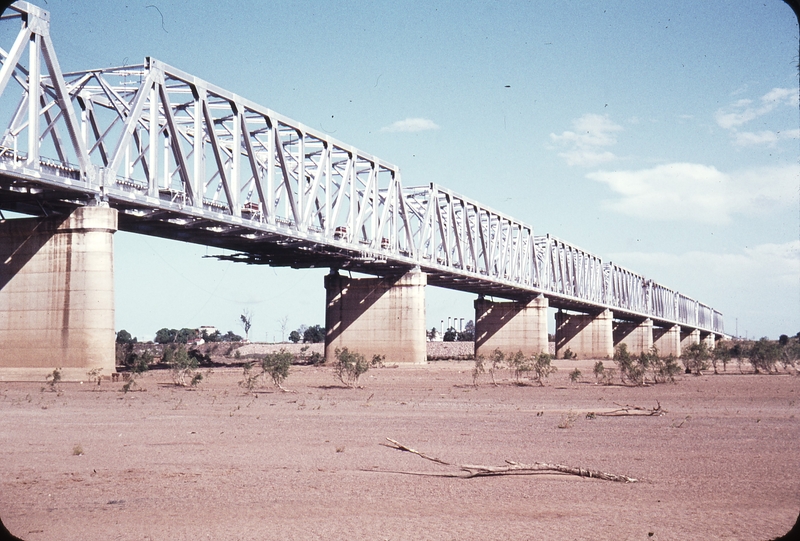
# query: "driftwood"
[[632, 410], [469, 471]]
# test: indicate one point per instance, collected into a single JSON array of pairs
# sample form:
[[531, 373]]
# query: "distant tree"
[[216, 336], [450, 335], [185, 335], [431, 334], [165, 336], [230, 336], [783, 340], [314, 334], [468, 334], [247, 322], [295, 337], [283, 322], [695, 358], [124, 337], [763, 355]]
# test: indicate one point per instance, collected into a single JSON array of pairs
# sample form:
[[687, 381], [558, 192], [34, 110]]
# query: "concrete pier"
[[638, 336], [57, 295], [709, 339], [667, 340], [376, 316], [511, 326], [587, 336], [689, 337]]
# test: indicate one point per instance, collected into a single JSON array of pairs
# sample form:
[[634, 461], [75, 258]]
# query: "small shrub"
[[94, 375], [520, 364], [575, 376], [377, 361], [349, 366], [140, 364], [249, 378], [602, 374], [764, 355], [497, 362], [316, 359], [568, 420], [479, 369], [542, 367], [629, 367], [183, 367], [695, 358], [568, 354], [53, 379], [77, 450], [276, 365], [665, 369]]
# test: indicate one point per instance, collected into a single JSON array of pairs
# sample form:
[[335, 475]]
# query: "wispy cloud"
[[698, 193], [743, 111], [585, 146], [411, 125]]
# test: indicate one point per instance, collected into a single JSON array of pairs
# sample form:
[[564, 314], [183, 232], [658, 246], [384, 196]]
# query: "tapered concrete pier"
[[637, 336], [588, 336], [57, 295], [377, 316], [511, 326], [667, 340]]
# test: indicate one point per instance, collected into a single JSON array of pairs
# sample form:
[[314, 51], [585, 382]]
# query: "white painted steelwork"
[[185, 159]]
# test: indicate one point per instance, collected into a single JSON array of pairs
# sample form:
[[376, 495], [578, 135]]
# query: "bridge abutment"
[[589, 336], [376, 316], [57, 295], [667, 340], [637, 336], [511, 326]]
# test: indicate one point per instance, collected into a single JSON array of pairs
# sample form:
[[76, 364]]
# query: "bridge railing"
[[157, 138]]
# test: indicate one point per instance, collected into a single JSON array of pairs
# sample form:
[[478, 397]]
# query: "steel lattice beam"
[[185, 159]]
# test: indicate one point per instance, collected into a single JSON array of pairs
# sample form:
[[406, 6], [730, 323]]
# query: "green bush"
[[696, 358], [542, 367], [520, 365], [349, 366], [183, 366], [764, 355], [276, 365]]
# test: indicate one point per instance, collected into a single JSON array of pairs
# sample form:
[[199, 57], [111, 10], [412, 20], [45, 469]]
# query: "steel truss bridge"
[[184, 159]]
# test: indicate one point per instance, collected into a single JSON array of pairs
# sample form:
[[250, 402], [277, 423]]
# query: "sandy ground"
[[217, 463]]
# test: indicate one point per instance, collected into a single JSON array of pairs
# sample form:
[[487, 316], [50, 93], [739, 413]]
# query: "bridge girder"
[[182, 158]]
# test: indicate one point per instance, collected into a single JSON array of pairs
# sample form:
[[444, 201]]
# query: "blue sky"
[[661, 136]]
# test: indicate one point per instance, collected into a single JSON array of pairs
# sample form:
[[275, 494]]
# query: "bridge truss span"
[[182, 158]]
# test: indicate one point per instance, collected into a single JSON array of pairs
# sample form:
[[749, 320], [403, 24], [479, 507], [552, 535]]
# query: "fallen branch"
[[632, 410], [511, 468]]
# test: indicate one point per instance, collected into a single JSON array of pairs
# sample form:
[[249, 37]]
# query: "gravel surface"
[[171, 463]]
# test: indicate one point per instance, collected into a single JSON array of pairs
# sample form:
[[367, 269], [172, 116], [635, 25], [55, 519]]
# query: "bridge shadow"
[[348, 299], [21, 239]]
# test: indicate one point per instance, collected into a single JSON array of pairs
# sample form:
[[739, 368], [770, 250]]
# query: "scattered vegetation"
[[53, 379], [183, 367], [519, 365], [349, 366], [276, 365], [575, 376], [140, 365], [94, 375], [637, 368], [696, 358], [569, 354]]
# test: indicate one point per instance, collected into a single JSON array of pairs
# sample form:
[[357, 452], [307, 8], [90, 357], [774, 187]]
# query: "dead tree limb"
[[511, 468], [633, 410]]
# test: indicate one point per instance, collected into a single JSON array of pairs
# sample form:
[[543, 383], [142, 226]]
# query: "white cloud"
[[411, 125], [743, 111], [584, 146], [698, 193]]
